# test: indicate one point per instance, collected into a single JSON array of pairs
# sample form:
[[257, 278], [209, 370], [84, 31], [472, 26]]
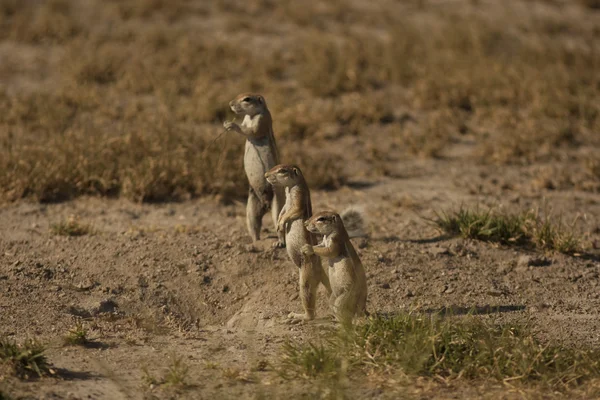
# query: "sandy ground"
[[156, 282]]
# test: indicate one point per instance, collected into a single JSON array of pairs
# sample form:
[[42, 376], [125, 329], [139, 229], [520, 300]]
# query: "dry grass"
[[128, 108], [72, 226]]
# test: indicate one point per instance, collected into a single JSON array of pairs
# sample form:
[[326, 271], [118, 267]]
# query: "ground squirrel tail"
[[354, 221]]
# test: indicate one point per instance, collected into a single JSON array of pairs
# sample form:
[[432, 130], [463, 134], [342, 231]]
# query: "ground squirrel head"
[[248, 104], [284, 175], [324, 223]]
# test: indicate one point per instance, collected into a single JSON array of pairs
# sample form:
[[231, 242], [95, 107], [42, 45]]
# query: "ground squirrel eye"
[[320, 219], [246, 99]]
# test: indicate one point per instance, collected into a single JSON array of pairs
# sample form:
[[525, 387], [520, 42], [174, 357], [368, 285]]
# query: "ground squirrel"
[[295, 212], [346, 273], [259, 157]]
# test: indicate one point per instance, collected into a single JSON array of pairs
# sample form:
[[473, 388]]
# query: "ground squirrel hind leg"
[[277, 205], [323, 277], [308, 295], [254, 214], [343, 308]]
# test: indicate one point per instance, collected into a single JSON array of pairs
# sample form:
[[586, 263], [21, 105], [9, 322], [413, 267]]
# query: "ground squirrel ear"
[[295, 171], [260, 99], [333, 218]]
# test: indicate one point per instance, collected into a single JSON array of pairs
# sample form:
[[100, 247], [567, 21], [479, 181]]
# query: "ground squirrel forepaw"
[[307, 250]]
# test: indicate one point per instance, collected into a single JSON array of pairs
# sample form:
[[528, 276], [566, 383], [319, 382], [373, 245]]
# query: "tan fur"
[[346, 273], [295, 212], [260, 156]]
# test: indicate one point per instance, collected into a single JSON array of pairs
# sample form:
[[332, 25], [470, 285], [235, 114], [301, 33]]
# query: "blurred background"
[[122, 97]]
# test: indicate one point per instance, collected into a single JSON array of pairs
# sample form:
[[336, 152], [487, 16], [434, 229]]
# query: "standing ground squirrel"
[[259, 157], [346, 273], [295, 212]]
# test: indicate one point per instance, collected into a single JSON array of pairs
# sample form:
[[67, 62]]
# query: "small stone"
[[449, 290], [409, 293], [385, 285], [85, 285], [523, 261], [250, 248], [494, 292], [294, 297], [438, 251]]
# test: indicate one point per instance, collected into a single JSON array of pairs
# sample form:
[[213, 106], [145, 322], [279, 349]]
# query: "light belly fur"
[[296, 234], [258, 159]]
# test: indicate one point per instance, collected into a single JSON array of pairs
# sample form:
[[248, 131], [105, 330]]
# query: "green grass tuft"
[[309, 360], [24, 360], [526, 228], [175, 375], [431, 346], [77, 336], [483, 225]]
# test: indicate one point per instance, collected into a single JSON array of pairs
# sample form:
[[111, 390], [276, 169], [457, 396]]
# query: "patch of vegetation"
[[231, 373], [128, 116], [510, 229], [24, 360], [4, 396], [309, 360], [236, 374], [431, 346], [77, 336], [483, 225], [546, 234], [175, 375], [72, 226], [593, 167]]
